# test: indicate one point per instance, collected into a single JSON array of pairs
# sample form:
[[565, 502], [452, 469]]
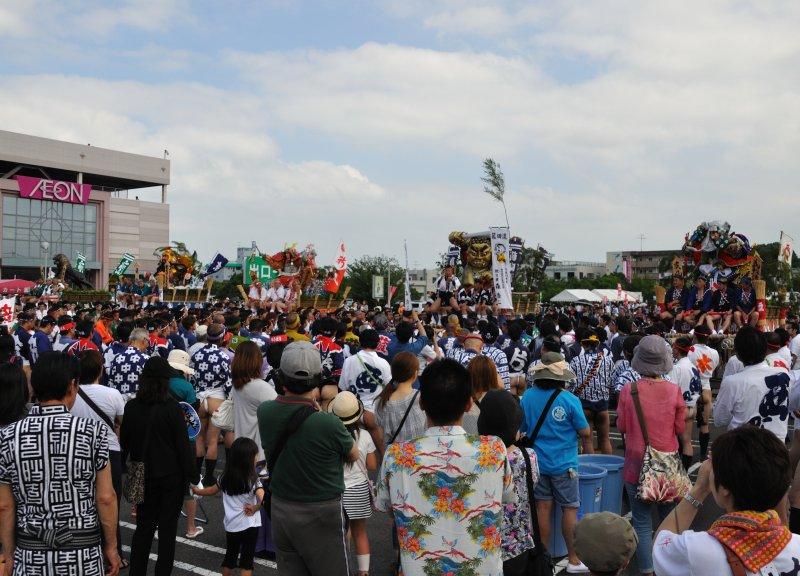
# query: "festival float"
[[297, 270], [178, 274]]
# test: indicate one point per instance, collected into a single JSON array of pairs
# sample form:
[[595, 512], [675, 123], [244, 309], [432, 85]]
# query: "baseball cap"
[[605, 542], [300, 360]]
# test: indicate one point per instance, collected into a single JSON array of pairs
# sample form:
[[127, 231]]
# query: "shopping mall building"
[[65, 198]]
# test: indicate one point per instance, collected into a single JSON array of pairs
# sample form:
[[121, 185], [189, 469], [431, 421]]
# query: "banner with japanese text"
[[501, 267], [264, 272]]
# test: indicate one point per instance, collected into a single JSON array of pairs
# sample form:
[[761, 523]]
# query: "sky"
[[368, 121]]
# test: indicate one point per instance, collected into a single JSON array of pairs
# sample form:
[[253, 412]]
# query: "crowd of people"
[[469, 418]]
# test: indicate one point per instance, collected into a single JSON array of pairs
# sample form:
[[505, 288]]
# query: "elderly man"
[[44, 458], [126, 367]]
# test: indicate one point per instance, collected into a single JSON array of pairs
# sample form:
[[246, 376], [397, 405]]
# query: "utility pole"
[[642, 238]]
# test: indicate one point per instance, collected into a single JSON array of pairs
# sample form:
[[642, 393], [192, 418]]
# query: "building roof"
[[22, 154]]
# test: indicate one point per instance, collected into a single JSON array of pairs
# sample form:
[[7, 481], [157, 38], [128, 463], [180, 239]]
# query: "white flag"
[[501, 267], [7, 311]]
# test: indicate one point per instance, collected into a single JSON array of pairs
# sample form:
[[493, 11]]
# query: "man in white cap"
[[306, 450]]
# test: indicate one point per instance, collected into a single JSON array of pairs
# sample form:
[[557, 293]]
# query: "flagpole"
[[407, 288]]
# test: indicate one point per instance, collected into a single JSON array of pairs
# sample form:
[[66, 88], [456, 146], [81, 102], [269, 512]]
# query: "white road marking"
[[202, 546], [182, 565]]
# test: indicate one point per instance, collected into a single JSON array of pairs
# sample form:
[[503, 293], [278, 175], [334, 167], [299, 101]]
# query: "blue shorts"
[[594, 405], [563, 489]]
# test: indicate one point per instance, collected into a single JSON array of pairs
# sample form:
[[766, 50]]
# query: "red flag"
[[335, 277]]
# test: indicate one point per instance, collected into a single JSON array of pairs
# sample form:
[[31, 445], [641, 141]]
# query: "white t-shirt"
[[706, 359], [698, 554], [757, 395], [365, 375], [257, 293], [355, 472], [780, 359], [425, 357], [109, 400], [732, 366], [235, 518], [687, 376], [276, 293]]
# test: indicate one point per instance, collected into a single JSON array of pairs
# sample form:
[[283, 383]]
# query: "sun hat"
[[652, 356], [179, 359], [605, 542], [553, 367], [346, 406]]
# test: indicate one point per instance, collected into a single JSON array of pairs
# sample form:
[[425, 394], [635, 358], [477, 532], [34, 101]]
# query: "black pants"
[[116, 480], [163, 499], [241, 545]]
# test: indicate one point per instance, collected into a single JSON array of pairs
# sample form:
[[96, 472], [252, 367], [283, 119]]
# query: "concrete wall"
[[138, 228]]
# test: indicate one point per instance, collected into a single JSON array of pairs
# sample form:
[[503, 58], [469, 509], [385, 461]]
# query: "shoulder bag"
[[403, 421], [662, 478], [95, 408], [539, 561], [293, 425], [592, 372], [133, 488]]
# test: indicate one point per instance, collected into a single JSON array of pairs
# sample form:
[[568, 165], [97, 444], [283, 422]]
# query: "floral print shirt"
[[517, 535], [447, 490]]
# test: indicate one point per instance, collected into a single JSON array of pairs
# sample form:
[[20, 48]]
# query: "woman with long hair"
[[483, 377], [398, 398], [249, 391], [154, 432]]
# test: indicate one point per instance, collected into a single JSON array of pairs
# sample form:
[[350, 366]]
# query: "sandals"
[[197, 531]]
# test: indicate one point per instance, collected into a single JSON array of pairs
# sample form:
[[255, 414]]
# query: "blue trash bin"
[[590, 490], [613, 484]]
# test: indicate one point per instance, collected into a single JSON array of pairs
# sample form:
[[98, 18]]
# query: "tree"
[[228, 289], [359, 278], [495, 184], [529, 275]]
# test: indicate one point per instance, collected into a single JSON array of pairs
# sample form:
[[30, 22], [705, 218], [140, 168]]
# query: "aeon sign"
[[55, 190]]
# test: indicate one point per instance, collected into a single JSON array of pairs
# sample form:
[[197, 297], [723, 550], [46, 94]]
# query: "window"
[[570, 274], [556, 275], [67, 228]]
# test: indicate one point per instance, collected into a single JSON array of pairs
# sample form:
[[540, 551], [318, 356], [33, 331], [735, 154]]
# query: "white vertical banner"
[[407, 284], [7, 311], [501, 267], [785, 253]]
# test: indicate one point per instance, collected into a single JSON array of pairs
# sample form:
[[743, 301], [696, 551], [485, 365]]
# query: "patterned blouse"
[[447, 490], [51, 460], [517, 529]]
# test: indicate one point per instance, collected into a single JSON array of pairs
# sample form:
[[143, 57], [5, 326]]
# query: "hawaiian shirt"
[[446, 491], [517, 536], [212, 369], [126, 368]]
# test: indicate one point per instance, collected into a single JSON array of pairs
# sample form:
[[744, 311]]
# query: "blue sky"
[[310, 121]]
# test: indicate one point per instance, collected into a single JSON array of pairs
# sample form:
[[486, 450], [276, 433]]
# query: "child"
[[241, 498], [357, 498]]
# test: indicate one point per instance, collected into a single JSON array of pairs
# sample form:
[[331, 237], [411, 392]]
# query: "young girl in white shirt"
[[242, 495], [357, 498]]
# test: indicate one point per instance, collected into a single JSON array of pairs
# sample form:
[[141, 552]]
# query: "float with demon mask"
[[294, 266]]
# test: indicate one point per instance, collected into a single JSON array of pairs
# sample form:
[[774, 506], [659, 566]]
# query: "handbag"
[[133, 487], [662, 478], [222, 417], [539, 561]]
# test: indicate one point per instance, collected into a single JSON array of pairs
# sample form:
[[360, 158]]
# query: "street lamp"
[[45, 247]]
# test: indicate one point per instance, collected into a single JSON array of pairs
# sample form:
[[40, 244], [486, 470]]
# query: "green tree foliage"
[[359, 278], [528, 276], [550, 287], [228, 288]]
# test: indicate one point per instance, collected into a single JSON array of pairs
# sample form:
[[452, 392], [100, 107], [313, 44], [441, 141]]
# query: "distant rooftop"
[[25, 155]]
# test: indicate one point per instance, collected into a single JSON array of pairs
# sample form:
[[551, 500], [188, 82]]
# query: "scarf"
[[755, 537]]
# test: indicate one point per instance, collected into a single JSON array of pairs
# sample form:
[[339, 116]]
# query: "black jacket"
[[169, 450]]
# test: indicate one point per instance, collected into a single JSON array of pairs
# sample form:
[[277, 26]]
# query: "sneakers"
[[577, 568]]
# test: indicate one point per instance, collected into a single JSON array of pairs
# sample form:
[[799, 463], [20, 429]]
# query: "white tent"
[[612, 295], [576, 295]]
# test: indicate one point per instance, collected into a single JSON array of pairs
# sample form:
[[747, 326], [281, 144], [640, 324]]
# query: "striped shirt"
[[599, 379]]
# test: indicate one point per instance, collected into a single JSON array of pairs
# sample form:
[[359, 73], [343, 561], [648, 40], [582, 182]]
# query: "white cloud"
[[229, 182]]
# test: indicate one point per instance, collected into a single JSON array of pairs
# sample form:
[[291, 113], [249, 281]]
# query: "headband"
[[217, 338], [68, 326]]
